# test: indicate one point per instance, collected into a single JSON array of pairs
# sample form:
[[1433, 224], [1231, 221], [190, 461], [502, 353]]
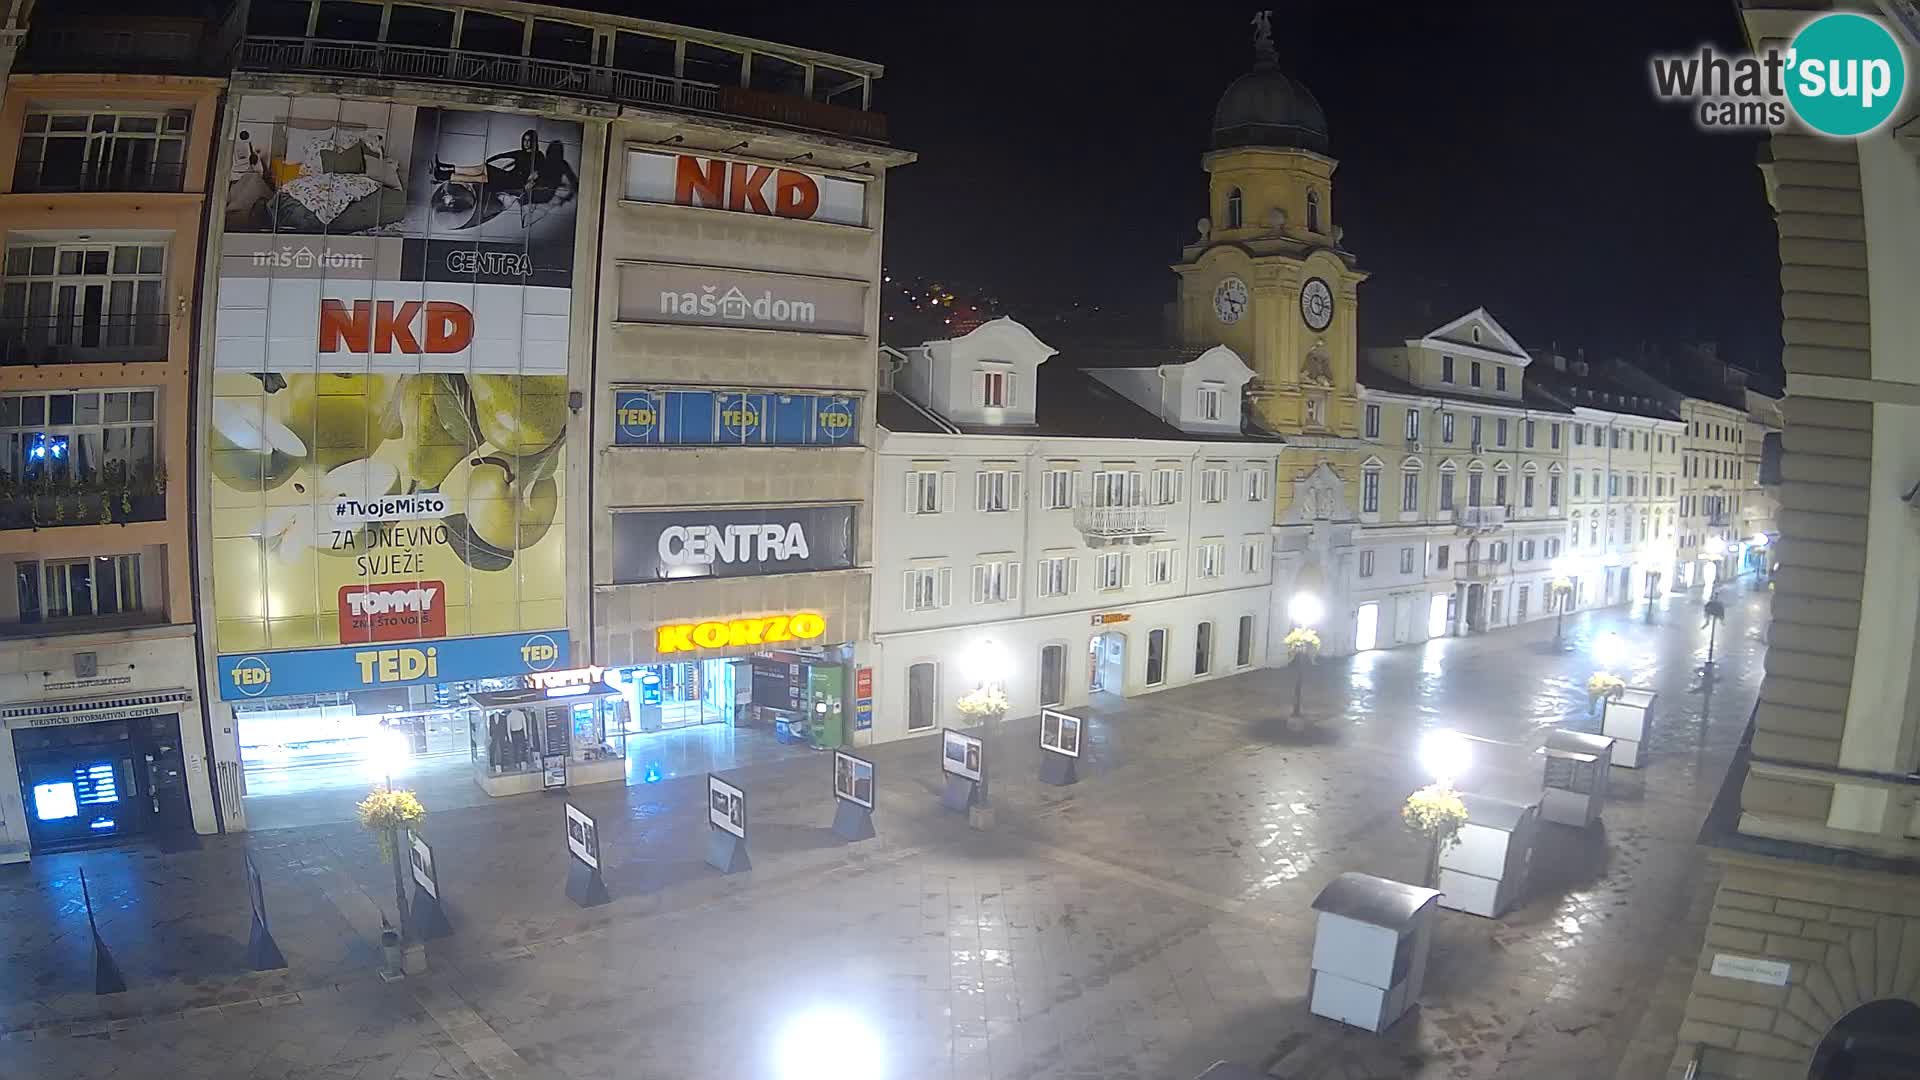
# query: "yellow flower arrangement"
[[384, 812], [1435, 812], [1603, 685], [983, 704], [1302, 639]]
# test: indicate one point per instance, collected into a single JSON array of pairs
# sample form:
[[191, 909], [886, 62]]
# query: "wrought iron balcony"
[[122, 339], [1477, 570], [382, 60], [1479, 517], [1107, 525]]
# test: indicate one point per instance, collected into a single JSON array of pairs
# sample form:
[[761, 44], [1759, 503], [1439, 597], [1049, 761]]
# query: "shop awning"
[[92, 710]]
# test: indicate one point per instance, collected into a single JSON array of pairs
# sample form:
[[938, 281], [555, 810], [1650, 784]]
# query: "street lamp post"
[[1306, 610], [1444, 755]]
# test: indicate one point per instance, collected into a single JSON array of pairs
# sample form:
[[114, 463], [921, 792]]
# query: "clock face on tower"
[[1230, 300], [1316, 304]]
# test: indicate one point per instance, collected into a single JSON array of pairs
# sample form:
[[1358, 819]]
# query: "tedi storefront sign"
[[702, 296], [663, 545], [313, 671]]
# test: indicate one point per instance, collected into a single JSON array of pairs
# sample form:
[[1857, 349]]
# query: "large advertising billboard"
[[388, 429], [668, 545]]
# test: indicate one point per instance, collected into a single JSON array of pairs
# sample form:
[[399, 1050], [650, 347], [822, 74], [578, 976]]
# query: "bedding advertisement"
[[388, 429]]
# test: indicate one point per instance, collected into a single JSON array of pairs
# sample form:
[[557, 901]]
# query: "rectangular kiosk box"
[[1575, 777], [527, 740], [1486, 872], [1369, 949], [1627, 720]]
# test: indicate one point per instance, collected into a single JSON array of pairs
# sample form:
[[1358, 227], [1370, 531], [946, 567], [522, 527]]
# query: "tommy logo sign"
[[767, 630], [393, 611], [395, 326]]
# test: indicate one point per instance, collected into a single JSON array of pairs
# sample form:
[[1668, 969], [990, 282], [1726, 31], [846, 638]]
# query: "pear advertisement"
[[387, 440]]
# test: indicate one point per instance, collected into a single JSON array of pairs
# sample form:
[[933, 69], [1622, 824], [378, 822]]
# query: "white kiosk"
[[1369, 949], [1627, 719], [1575, 780], [1486, 872]]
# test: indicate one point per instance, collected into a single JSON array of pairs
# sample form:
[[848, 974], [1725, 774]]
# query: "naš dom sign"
[[762, 630]]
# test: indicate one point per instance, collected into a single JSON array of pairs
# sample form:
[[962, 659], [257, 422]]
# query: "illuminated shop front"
[[559, 728]]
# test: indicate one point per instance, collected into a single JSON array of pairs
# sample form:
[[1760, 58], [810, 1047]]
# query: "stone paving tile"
[[1144, 923]]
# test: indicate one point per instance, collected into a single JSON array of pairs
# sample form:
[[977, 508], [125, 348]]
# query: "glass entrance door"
[[1053, 674]]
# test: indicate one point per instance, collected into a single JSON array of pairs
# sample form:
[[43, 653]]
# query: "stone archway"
[[1876, 1041]]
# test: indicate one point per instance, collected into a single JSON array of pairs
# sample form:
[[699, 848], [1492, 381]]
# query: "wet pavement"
[[1144, 923]]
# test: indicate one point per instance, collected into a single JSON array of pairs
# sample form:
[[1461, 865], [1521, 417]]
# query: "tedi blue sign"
[[365, 667]]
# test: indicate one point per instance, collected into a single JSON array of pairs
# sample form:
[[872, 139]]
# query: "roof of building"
[[1595, 389], [1375, 378]]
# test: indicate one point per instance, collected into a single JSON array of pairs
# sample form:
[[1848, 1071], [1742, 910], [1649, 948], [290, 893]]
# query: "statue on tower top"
[[1263, 54]]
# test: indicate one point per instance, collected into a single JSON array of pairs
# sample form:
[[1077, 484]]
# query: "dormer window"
[[1476, 335], [1313, 211], [1209, 403], [996, 389], [1236, 209]]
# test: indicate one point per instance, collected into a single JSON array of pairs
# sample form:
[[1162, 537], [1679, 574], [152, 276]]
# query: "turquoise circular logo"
[[1845, 75]]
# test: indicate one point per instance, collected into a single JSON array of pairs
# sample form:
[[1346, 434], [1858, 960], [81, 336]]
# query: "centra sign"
[[764, 630]]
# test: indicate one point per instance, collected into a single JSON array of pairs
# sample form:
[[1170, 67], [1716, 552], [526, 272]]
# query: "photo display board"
[[726, 806], [1060, 733], [583, 837], [960, 754], [853, 779]]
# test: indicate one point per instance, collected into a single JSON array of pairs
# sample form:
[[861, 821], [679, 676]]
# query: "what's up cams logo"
[[1842, 75]]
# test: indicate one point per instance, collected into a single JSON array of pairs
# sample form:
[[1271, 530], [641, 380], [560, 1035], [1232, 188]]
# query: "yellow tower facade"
[[1268, 278]]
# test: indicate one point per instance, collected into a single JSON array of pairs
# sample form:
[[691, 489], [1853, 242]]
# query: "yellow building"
[[104, 184], [1267, 277]]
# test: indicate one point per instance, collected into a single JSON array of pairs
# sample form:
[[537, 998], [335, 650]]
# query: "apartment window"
[[1250, 556], [996, 582], [1596, 483], [83, 436], [1370, 491], [1579, 434], [1236, 209], [1446, 489], [928, 588], [1446, 369], [1413, 425], [1526, 435], [1406, 560], [1209, 401], [1553, 547], [1477, 432], [923, 685], [1474, 488], [1166, 487], [1203, 648], [1553, 491], [1409, 491], [1500, 490], [1576, 528], [1525, 551], [1113, 567], [1366, 563], [1553, 436], [1526, 492], [1156, 657], [1630, 485], [78, 588], [1114, 488], [1446, 428], [1576, 485], [996, 389], [1500, 431], [1442, 556], [996, 490], [1057, 575], [1497, 551], [1056, 489], [60, 296], [1210, 559], [1500, 377], [1373, 421], [1643, 524], [1257, 480], [1473, 373], [1613, 484], [1213, 484], [1162, 566], [927, 493], [102, 151], [1613, 438], [1243, 643]]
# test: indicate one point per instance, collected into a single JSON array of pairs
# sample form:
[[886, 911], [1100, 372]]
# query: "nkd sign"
[[665, 545], [702, 296], [744, 187]]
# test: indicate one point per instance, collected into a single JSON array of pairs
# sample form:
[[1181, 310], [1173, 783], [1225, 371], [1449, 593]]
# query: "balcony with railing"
[[32, 176], [1477, 570], [1108, 525], [1479, 517], [465, 67], [117, 339]]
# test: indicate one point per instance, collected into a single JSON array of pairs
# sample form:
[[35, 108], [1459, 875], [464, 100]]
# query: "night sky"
[[1505, 154]]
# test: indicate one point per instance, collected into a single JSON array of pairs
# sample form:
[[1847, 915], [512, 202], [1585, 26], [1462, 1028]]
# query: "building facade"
[[1808, 968], [1062, 533], [1713, 488], [531, 340], [105, 177]]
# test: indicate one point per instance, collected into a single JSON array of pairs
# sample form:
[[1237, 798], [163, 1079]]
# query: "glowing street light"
[[1759, 540], [1609, 648], [828, 1044], [985, 662], [1445, 755], [1305, 609], [1716, 547]]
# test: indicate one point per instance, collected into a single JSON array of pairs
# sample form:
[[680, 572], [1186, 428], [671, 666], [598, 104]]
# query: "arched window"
[[1313, 211], [1235, 209]]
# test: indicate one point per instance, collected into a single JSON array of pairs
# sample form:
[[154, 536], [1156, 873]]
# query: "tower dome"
[[1265, 108]]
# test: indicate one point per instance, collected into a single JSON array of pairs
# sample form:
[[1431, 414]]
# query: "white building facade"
[[1713, 490], [1017, 544]]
